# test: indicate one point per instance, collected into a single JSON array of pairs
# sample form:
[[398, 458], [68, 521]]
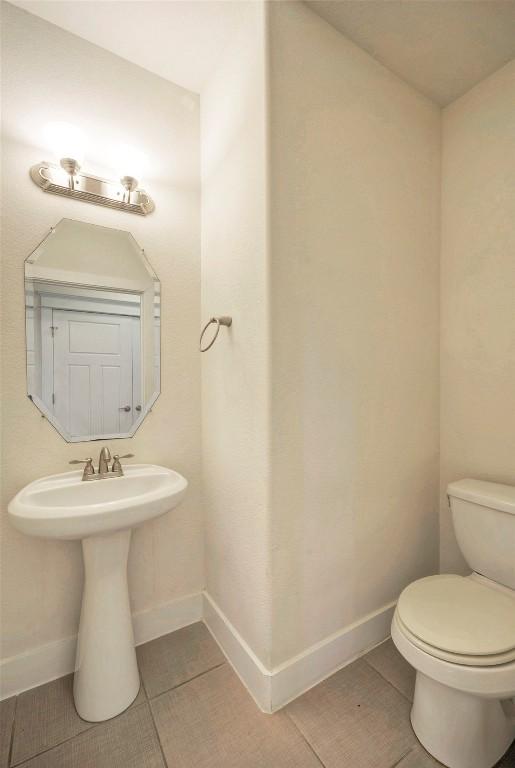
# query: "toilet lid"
[[459, 615]]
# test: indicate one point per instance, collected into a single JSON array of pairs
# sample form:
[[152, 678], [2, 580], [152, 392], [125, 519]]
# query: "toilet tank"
[[483, 515]]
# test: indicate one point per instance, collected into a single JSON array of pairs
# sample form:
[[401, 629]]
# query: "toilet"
[[458, 632]]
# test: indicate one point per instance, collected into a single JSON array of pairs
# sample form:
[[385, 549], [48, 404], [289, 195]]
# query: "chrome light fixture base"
[[72, 168], [70, 181], [129, 183]]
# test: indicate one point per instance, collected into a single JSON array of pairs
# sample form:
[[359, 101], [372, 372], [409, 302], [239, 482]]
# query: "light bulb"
[[129, 161], [65, 141]]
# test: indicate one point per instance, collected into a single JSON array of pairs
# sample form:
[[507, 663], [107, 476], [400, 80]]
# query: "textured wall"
[[354, 328], [235, 377], [478, 292], [51, 75]]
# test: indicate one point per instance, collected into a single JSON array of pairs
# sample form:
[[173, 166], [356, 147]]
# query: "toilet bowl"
[[458, 632]]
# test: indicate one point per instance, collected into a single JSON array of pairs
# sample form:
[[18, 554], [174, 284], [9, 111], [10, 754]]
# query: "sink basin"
[[64, 507], [102, 513]]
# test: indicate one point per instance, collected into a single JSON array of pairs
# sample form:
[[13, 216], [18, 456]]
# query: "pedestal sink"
[[102, 514]]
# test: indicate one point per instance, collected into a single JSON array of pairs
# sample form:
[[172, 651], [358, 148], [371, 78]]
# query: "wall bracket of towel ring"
[[224, 320]]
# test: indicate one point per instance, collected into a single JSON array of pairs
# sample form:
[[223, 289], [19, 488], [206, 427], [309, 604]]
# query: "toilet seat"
[[459, 620], [456, 658]]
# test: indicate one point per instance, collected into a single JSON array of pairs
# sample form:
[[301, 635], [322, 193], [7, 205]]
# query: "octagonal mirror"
[[92, 307]]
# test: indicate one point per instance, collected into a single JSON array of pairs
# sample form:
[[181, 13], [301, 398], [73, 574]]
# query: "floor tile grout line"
[[399, 761], [388, 681], [165, 761], [91, 727], [144, 687], [54, 746], [305, 738], [11, 739], [394, 765], [185, 682]]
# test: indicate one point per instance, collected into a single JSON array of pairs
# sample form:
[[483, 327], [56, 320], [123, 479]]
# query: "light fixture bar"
[[91, 189]]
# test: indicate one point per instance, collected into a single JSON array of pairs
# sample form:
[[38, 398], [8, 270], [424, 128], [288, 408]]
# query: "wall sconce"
[[67, 142]]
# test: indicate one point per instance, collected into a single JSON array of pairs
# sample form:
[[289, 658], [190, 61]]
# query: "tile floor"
[[193, 712]]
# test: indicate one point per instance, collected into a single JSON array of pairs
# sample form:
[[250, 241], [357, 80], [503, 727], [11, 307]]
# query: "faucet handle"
[[117, 467], [89, 469]]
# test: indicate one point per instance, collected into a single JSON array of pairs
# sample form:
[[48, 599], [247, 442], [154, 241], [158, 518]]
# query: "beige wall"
[[354, 327], [235, 377], [478, 292], [49, 75]]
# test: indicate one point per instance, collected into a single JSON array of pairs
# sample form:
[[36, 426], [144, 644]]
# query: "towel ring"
[[224, 320]]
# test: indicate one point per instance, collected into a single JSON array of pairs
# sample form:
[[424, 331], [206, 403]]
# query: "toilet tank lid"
[[492, 495]]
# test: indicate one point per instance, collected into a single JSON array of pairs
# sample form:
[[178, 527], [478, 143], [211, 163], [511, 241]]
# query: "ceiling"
[[180, 41], [441, 47]]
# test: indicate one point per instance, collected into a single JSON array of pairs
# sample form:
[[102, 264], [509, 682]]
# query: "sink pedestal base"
[[106, 678]]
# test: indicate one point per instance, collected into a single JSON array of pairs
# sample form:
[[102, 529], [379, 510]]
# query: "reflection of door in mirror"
[[93, 364], [85, 364]]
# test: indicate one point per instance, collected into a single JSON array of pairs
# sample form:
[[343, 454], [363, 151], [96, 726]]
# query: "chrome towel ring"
[[224, 320]]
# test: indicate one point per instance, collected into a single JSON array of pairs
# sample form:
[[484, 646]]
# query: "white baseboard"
[[272, 689], [165, 618], [37, 666], [48, 662], [302, 672], [253, 674]]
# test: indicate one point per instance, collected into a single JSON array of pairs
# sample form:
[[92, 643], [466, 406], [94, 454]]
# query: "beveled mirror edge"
[[44, 413]]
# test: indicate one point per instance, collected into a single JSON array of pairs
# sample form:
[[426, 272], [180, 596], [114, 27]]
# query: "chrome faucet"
[[103, 461], [103, 465]]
